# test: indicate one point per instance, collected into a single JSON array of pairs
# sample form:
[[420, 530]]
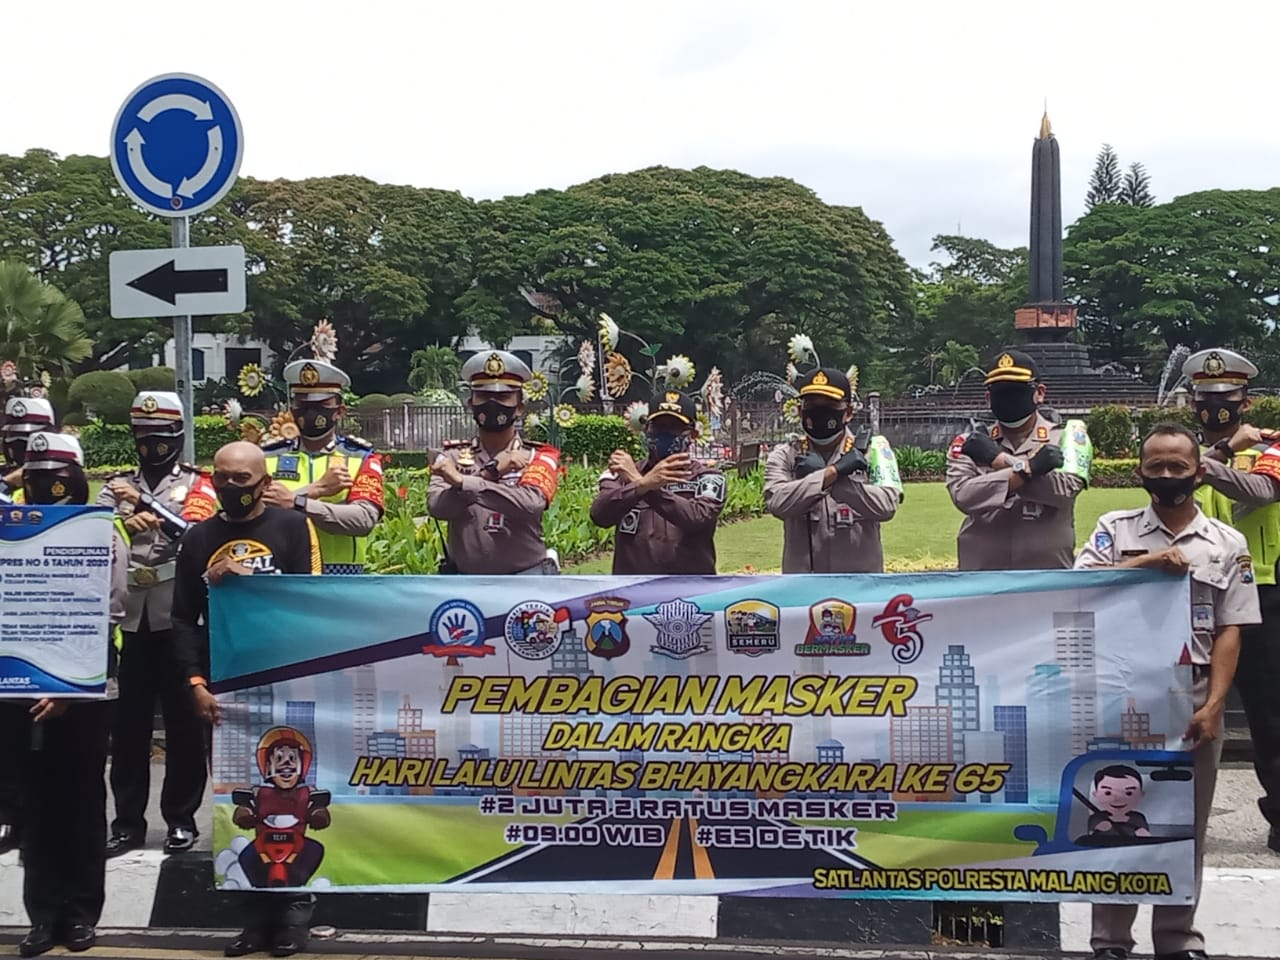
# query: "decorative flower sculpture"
[[565, 415], [617, 375], [324, 341], [636, 414], [537, 388], [251, 380], [609, 334]]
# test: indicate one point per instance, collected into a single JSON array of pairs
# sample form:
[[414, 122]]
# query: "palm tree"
[[40, 328], [957, 359], [435, 368]]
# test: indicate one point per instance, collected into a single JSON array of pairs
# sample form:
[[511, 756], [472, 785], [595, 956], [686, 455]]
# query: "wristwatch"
[[300, 502], [1020, 467], [1223, 446]]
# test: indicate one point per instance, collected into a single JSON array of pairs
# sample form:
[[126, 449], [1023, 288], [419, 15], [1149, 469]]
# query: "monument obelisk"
[[1046, 319]]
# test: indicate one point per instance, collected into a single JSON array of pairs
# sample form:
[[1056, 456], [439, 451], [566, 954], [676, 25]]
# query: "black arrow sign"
[[166, 282]]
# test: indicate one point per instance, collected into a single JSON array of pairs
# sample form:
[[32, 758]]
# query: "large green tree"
[[1201, 270], [715, 264]]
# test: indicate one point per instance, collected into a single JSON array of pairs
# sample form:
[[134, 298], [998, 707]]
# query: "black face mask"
[[157, 450], [821, 424], [238, 501], [663, 444], [1013, 406], [15, 451], [48, 489], [493, 417], [1170, 491], [1215, 414], [316, 422]]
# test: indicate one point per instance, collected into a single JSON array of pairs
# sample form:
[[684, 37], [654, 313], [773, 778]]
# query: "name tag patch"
[[287, 468], [495, 522], [844, 515], [1202, 617]]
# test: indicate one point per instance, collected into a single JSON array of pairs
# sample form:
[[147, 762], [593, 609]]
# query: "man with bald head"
[[245, 538]]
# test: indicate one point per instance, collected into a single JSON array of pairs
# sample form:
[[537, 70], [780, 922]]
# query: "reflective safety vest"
[[1260, 525], [296, 468]]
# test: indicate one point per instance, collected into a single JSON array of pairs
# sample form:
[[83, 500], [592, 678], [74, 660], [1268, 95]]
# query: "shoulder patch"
[[189, 468], [277, 445], [711, 486], [356, 443], [1103, 540]]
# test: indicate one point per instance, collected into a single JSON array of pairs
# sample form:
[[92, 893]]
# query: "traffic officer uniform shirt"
[[186, 491], [1223, 593], [670, 530], [495, 524], [836, 530], [344, 520], [1032, 529]]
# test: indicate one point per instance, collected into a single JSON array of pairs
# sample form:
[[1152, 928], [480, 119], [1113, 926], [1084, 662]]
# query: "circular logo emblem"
[[532, 630], [149, 405], [39, 443], [1214, 364], [309, 376], [458, 624], [19, 410]]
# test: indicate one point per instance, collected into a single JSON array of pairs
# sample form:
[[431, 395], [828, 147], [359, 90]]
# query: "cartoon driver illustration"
[[1117, 793], [279, 811]]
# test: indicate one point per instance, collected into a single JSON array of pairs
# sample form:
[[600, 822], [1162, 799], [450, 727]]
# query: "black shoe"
[[1183, 955], [9, 837], [38, 940], [1111, 953], [180, 839], [79, 937], [123, 843], [249, 941], [289, 941]]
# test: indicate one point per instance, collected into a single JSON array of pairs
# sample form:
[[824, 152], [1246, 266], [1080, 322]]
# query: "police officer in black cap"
[[1017, 481], [820, 486]]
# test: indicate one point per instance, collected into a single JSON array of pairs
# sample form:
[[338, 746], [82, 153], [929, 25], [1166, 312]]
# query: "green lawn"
[[921, 537]]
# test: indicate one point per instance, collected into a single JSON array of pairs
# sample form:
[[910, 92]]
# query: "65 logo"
[[900, 623]]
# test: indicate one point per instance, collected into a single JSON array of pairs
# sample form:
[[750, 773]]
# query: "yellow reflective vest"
[[1260, 525]]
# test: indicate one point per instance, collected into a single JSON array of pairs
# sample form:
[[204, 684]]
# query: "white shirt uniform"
[[1223, 593]]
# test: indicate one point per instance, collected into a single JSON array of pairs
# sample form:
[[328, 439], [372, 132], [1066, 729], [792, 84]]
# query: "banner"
[[967, 736], [55, 601]]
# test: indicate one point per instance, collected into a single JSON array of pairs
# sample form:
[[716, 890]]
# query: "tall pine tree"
[[1136, 190], [1105, 183]]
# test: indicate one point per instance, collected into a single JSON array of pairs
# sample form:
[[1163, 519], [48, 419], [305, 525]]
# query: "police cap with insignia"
[[1013, 366], [1218, 371], [156, 408], [495, 371], [825, 382], [53, 451], [27, 415], [310, 380], [675, 405]]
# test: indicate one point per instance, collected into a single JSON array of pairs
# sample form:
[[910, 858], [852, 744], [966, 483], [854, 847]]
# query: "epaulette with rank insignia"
[[189, 468], [283, 443], [119, 475], [994, 432], [356, 443]]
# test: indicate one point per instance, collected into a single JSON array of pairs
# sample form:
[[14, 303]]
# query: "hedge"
[[153, 378], [112, 443], [106, 395]]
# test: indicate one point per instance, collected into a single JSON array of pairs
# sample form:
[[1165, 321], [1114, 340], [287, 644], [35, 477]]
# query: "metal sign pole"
[[182, 354]]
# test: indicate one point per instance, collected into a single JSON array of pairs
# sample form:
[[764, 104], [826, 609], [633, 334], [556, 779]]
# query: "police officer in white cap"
[[23, 416], [158, 502], [336, 480], [494, 491], [1242, 489]]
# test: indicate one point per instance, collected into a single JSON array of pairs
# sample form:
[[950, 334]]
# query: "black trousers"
[[148, 672], [61, 764], [1258, 680]]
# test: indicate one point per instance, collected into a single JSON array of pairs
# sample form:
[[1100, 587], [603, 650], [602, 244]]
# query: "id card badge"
[[844, 516], [1202, 617], [1032, 511], [495, 522]]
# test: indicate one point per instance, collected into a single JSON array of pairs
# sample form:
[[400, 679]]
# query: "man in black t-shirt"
[[246, 538]]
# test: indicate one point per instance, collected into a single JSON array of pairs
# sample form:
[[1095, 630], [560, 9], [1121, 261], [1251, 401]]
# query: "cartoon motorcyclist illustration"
[[279, 811]]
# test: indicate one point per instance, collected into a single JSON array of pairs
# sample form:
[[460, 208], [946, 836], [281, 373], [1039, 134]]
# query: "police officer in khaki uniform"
[[23, 416], [1172, 534], [666, 510], [158, 503], [1242, 488], [494, 491], [820, 487], [1019, 506]]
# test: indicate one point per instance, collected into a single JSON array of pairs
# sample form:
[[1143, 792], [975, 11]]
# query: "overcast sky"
[[923, 114]]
